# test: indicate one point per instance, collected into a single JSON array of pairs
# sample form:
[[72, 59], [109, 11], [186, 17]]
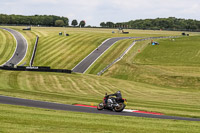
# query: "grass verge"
[[25, 119], [7, 46]]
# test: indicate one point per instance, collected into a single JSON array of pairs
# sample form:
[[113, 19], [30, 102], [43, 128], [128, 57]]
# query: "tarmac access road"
[[83, 66], [65, 107], [20, 50]]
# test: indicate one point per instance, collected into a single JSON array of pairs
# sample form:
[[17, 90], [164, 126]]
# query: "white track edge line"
[[129, 110]]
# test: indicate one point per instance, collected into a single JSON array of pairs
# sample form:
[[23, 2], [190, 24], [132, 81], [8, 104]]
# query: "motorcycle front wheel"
[[120, 108], [100, 106]]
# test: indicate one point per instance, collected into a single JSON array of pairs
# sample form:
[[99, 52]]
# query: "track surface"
[[57, 106], [21, 48], [92, 57]]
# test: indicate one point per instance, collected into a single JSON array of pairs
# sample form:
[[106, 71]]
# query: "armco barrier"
[[34, 51], [38, 69]]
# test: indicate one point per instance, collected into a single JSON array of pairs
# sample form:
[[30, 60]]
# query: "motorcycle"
[[113, 104]]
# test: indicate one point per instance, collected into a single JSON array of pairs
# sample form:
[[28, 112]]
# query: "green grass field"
[[66, 52], [180, 52], [90, 89], [171, 64], [17, 119], [163, 78], [7, 46]]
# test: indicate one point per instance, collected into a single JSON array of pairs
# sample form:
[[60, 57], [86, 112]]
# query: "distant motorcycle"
[[113, 104]]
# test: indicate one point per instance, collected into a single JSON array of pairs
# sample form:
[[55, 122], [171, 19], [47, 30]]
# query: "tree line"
[[44, 20], [170, 23], [47, 20]]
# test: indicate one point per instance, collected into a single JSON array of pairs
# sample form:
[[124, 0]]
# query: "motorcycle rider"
[[118, 96]]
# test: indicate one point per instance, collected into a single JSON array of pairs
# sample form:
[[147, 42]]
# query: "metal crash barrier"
[[35, 68]]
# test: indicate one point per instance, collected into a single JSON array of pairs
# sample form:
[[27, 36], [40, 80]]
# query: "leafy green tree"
[[103, 24], [82, 23], [4, 19], [119, 25], [110, 24], [65, 20], [74, 22], [59, 23]]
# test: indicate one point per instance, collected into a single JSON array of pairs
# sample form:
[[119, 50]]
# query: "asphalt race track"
[[92, 57], [65, 107], [21, 48]]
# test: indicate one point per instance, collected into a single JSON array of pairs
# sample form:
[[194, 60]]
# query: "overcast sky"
[[96, 11]]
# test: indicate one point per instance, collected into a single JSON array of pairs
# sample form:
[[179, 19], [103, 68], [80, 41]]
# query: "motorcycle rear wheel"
[[120, 108], [100, 106]]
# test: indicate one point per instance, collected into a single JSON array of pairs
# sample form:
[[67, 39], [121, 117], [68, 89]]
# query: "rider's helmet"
[[118, 92]]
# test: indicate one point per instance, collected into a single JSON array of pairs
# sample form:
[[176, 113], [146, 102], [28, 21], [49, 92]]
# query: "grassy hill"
[[178, 52], [66, 52], [7, 46], [171, 64]]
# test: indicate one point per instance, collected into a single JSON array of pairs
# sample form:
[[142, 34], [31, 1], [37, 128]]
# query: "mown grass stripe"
[[3, 40], [45, 46], [68, 88], [58, 84], [51, 42], [27, 84], [104, 88], [4, 47], [13, 80], [60, 43], [44, 55], [44, 43], [90, 87], [39, 33], [42, 82], [48, 53], [73, 53], [75, 86], [7, 46], [60, 53]]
